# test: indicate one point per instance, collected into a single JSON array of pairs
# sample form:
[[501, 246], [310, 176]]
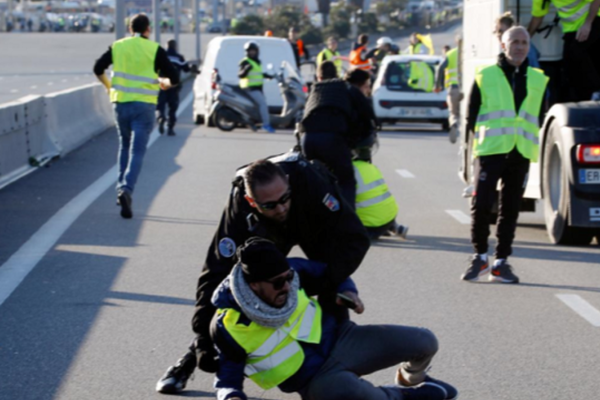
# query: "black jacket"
[[517, 79], [337, 107], [319, 221]]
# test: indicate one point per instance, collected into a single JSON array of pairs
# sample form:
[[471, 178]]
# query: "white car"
[[224, 55], [399, 97]]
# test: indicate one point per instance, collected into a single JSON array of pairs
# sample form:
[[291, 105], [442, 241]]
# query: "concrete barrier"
[[75, 116], [24, 144]]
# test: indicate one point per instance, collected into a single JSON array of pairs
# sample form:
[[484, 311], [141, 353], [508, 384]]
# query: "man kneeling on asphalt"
[[269, 329]]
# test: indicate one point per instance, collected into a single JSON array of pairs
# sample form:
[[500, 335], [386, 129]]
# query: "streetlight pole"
[[120, 19], [176, 26], [156, 9], [196, 11]]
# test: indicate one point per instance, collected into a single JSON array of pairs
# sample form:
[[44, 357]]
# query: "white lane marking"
[[581, 307], [404, 173], [21, 263], [460, 216], [14, 91], [33, 87]]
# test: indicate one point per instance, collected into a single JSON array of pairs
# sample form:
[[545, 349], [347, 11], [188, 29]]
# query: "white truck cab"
[[567, 177]]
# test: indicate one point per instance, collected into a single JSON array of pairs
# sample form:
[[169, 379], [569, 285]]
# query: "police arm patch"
[[331, 202], [227, 247]]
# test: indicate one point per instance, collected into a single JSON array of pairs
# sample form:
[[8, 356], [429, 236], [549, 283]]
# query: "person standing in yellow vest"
[[447, 77], [505, 112], [375, 206], [134, 87], [330, 53], [252, 79], [416, 46], [580, 21], [268, 328]]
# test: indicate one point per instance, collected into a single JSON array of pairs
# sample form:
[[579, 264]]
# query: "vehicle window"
[[410, 76]]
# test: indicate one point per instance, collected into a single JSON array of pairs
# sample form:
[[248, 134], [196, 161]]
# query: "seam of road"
[[24, 260]]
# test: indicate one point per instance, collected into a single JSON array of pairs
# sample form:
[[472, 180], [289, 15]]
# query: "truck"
[[566, 179]]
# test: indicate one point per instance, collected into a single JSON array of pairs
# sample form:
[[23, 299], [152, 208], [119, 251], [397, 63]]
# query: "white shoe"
[[453, 133], [469, 191]]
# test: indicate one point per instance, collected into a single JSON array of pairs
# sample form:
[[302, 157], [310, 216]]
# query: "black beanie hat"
[[261, 260]]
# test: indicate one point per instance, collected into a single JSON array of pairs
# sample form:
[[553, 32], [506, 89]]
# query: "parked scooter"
[[232, 107]]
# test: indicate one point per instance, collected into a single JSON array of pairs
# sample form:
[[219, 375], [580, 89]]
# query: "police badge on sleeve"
[[227, 247], [331, 202]]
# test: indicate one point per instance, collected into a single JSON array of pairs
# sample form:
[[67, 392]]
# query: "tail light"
[[445, 105], [305, 89], [214, 79], [588, 153], [385, 103]]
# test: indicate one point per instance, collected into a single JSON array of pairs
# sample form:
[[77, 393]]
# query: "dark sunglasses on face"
[[279, 283], [270, 205]]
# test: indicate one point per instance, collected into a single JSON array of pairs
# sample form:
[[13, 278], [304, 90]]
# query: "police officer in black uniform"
[[336, 117], [171, 97], [289, 201]]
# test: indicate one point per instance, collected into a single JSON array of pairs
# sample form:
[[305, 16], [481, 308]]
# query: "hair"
[[357, 77], [139, 23], [506, 35], [506, 19], [172, 44], [327, 70], [446, 48], [332, 38], [259, 173], [363, 39]]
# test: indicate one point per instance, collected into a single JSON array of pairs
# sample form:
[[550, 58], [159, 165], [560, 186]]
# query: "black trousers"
[[333, 150], [581, 62], [512, 168], [171, 98]]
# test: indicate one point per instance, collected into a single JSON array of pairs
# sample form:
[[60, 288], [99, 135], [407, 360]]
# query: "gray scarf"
[[257, 310]]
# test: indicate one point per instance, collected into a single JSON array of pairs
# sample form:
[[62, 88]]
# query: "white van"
[[224, 54]]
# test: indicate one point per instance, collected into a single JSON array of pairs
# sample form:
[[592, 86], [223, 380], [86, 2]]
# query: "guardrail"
[[36, 129]]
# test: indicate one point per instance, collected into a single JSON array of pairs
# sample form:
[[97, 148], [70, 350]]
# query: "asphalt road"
[[107, 308]]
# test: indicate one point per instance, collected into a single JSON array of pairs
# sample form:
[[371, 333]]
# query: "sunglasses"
[[270, 205], [280, 282]]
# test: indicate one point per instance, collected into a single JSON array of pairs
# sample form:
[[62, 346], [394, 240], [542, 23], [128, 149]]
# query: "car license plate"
[[589, 176], [414, 112]]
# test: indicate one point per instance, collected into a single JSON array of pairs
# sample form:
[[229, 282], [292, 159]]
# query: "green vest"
[[327, 54], [274, 355], [375, 205], [415, 49], [254, 77], [133, 76], [499, 127], [421, 76], [452, 68], [572, 13]]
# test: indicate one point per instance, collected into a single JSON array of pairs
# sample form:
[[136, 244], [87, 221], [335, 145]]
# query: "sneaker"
[[453, 133], [171, 132], [161, 125], [424, 391], [401, 231], [476, 270], [176, 377], [503, 273], [124, 200], [469, 191], [268, 128], [451, 392]]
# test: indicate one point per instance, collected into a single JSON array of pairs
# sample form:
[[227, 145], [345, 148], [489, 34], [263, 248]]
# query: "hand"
[[360, 307], [165, 83], [584, 32]]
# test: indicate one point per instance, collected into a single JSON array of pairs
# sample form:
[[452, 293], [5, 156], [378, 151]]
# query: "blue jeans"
[[135, 121]]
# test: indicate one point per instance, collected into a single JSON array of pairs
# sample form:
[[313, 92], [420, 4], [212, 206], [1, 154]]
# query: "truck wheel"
[[556, 195], [199, 119]]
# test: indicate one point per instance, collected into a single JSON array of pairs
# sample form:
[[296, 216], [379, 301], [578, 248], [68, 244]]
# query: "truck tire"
[[556, 194], [199, 119]]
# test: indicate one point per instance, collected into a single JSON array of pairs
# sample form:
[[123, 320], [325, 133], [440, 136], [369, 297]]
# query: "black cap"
[[261, 260]]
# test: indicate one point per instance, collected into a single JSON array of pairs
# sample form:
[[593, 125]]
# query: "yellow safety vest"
[[274, 355], [572, 13], [421, 76], [375, 205], [415, 49], [499, 127], [327, 54], [255, 76], [451, 75], [133, 76]]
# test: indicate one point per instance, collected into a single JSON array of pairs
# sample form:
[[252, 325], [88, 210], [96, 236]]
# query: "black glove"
[[207, 356]]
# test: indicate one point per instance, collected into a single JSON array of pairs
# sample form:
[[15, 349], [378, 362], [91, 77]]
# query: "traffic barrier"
[[75, 116], [24, 144]]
